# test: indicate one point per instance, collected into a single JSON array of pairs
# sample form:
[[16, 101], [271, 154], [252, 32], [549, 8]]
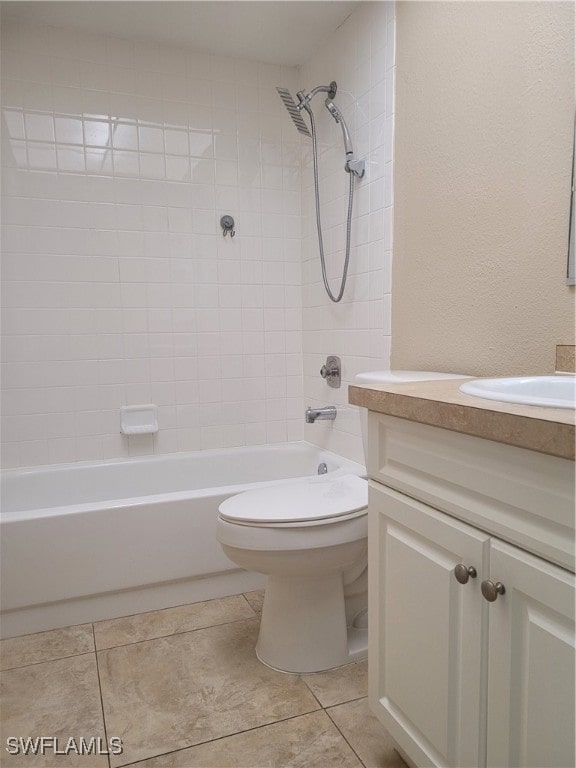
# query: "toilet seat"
[[311, 501]]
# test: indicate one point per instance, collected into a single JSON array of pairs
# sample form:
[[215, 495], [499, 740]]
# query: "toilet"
[[310, 538]]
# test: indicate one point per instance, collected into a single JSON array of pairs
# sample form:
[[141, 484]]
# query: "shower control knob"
[[490, 591], [463, 574], [330, 371]]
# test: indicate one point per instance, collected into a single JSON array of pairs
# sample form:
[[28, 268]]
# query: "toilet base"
[[303, 626]]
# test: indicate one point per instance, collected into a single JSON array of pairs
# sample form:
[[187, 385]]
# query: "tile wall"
[[119, 158], [360, 56]]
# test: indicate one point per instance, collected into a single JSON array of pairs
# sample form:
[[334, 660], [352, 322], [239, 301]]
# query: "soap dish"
[[139, 419]]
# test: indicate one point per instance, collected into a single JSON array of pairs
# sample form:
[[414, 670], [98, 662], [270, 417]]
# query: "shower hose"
[[338, 297]]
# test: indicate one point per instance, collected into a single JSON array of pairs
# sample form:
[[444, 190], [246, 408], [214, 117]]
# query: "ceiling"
[[286, 32]]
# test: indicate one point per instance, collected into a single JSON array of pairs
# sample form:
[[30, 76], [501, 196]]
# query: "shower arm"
[[305, 98]]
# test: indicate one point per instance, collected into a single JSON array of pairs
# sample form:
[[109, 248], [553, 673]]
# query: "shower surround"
[[119, 157]]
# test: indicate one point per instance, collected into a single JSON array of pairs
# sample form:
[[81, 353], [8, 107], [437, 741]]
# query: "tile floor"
[[182, 688]]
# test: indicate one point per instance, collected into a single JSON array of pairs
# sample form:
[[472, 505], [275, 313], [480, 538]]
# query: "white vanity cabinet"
[[459, 680]]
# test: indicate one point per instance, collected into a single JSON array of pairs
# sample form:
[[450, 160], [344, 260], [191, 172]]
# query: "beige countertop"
[[441, 404]]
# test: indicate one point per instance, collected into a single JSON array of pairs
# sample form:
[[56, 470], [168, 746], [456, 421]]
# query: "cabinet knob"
[[491, 591], [464, 573]]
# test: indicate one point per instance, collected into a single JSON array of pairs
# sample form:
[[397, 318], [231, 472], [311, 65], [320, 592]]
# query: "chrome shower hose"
[[338, 297]]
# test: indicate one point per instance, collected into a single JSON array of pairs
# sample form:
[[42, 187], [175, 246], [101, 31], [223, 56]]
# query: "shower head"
[[293, 111], [333, 109], [337, 115]]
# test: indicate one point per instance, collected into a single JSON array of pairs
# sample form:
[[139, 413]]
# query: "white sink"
[[551, 391]]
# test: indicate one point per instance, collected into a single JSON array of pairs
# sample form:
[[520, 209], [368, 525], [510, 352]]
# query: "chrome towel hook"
[[227, 224]]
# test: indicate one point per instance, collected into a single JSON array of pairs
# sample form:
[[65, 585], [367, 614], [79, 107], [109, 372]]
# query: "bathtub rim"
[[344, 466], [165, 457]]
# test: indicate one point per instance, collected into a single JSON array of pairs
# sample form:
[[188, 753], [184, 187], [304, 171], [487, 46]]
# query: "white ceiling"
[[286, 32]]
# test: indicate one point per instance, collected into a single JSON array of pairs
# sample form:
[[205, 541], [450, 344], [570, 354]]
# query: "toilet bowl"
[[310, 538]]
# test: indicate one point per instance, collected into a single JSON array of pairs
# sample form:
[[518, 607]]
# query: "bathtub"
[[89, 541]]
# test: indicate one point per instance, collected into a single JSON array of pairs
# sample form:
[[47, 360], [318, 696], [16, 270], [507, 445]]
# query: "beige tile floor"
[[182, 688]]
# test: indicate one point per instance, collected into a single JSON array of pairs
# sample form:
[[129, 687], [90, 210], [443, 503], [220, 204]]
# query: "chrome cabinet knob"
[[464, 573], [491, 591]]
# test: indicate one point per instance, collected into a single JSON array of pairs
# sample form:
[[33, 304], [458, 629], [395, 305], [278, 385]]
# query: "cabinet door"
[[425, 639], [531, 662]]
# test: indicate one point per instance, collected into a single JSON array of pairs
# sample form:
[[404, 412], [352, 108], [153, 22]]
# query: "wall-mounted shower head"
[[303, 103], [293, 111]]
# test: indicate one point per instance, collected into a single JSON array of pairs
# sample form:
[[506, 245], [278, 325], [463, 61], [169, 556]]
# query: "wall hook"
[[227, 224]]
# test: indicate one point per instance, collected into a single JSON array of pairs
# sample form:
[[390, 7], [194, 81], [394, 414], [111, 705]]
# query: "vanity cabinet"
[[458, 679]]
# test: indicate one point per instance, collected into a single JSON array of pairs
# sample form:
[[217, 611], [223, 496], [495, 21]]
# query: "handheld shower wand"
[[352, 166]]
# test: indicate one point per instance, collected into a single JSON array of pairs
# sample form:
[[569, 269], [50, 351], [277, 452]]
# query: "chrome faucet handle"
[[331, 371]]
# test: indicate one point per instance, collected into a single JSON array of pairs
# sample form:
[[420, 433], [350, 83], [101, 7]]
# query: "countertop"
[[441, 404]]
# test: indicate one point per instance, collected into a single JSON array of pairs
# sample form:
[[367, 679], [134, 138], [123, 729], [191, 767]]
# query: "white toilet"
[[310, 538]]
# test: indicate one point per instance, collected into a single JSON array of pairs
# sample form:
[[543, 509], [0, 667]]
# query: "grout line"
[[45, 631], [344, 736], [226, 736], [348, 701], [169, 608], [47, 661], [312, 692], [248, 602], [176, 634], [101, 698]]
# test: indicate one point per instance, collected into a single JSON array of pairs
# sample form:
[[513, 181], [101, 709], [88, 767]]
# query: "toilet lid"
[[310, 499]]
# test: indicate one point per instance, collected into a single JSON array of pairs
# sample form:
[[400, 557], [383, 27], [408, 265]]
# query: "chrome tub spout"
[[319, 414]]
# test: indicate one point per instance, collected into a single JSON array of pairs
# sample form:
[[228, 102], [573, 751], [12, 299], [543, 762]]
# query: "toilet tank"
[[382, 379]]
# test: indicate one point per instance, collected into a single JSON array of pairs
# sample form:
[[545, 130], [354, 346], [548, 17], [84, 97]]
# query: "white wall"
[[360, 57], [119, 159], [483, 193]]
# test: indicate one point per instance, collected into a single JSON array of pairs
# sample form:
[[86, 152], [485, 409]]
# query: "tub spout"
[[313, 414]]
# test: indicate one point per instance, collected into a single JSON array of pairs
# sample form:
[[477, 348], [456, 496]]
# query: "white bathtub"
[[83, 542]]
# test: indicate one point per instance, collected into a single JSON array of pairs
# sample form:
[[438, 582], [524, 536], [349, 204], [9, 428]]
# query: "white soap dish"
[[139, 419]]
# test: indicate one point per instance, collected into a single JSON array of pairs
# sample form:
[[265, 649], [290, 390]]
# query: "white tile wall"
[[118, 160], [360, 57]]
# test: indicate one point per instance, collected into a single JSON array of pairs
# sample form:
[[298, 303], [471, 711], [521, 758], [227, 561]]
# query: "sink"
[[551, 391]]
